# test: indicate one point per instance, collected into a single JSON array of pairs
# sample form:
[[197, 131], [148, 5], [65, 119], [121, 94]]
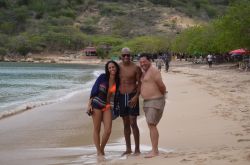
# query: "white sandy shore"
[[206, 121], [207, 117]]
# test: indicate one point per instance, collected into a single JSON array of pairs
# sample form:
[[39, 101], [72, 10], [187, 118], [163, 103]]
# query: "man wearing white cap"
[[130, 84]]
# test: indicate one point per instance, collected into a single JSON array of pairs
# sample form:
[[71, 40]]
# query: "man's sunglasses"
[[124, 55]]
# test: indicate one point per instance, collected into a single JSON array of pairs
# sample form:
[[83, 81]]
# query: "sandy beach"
[[206, 121]]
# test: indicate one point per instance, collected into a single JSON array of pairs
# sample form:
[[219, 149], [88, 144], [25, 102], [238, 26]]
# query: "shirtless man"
[[130, 75], [153, 92]]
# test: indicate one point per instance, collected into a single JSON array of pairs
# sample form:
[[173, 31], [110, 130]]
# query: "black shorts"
[[125, 110]]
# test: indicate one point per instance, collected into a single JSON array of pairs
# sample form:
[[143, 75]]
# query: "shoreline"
[[86, 62], [57, 58], [15, 110], [205, 121], [14, 107]]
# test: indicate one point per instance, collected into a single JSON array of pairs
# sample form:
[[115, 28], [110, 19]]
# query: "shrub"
[[63, 38], [25, 43], [3, 51], [107, 40], [110, 9], [68, 13], [89, 29], [211, 11], [101, 53], [61, 21], [23, 49]]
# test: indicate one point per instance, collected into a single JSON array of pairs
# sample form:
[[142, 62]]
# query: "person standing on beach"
[[104, 98], [153, 91], [159, 63], [210, 60], [166, 61], [130, 75]]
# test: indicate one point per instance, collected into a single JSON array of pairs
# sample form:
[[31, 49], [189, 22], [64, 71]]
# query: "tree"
[[228, 32], [149, 44]]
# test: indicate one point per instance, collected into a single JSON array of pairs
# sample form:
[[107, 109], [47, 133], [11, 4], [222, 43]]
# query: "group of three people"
[[117, 91]]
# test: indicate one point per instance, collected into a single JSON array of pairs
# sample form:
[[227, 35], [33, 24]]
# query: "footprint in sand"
[[248, 157], [173, 155], [237, 134], [243, 140], [233, 160], [200, 161], [185, 160]]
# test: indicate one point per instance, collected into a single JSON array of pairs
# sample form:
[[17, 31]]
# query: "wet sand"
[[45, 134], [206, 121]]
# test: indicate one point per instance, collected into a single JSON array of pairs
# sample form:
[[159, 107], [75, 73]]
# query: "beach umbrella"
[[239, 52]]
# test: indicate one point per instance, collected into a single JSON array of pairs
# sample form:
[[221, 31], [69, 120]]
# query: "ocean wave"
[[97, 73], [31, 105], [86, 87], [16, 100], [22, 108]]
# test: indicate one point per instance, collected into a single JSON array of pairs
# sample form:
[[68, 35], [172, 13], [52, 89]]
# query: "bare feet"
[[136, 153], [151, 155], [100, 159], [126, 153], [100, 153]]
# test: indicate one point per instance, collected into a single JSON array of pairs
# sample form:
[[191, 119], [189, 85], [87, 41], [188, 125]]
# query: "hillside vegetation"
[[229, 32], [70, 25]]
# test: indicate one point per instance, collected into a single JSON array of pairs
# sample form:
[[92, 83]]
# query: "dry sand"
[[207, 117], [206, 121]]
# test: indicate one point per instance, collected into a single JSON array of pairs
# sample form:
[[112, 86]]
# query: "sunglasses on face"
[[124, 55]]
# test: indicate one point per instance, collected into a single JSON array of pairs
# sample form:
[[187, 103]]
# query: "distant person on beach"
[[130, 75], [210, 60], [166, 61], [104, 98], [159, 63], [153, 92]]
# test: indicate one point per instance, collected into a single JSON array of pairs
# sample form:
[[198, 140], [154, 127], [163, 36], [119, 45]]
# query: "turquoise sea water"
[[25, 85]]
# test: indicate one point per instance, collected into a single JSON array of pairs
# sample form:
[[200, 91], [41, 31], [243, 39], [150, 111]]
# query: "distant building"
[[90, 51]]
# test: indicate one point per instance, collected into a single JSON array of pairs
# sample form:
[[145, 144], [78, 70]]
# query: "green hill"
[[59, 25]]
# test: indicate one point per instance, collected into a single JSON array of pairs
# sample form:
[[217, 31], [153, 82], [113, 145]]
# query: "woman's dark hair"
[[117, 81], [117, 75]]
